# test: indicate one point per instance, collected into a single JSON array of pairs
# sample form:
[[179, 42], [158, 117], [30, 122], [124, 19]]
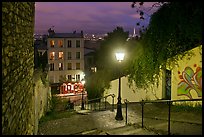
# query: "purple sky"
[[91, 17]]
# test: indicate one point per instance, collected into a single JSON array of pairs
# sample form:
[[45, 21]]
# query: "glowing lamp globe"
[[120, 56]]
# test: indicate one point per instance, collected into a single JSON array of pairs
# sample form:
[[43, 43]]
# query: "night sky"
[[91, 17]]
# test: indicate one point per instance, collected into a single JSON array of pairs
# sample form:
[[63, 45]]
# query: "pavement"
[[87, 122]]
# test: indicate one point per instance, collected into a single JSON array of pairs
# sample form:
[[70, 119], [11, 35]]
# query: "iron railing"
[[169, 102], [92, 104]]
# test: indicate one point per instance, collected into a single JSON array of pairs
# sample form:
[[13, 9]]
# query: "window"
[[69, 66], [77, 65], [77, 55], [52, 55], [60, 66], [51, 66], [60, 55], [51, 79], [69, 56], [52, 43], [77, 43], [78, 77], [93, 69], [69, 77], [60, 43], [69, 45]]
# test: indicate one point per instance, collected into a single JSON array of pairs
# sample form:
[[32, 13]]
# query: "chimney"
[[51, 32], [82, 33]]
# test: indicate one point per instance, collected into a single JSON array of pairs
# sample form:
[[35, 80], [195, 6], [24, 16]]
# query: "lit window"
[[93, 69], [69, 55], [60, 55], [69, 45], [60, 66], [77, 55], [51, 66], [52, 43], [77, 43], [78, 77], [69, 77], [60, 43], [69, 66], [77, 66], [52, 55]]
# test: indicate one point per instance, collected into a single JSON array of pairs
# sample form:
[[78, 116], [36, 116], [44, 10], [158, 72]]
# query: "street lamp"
[[119, 116]]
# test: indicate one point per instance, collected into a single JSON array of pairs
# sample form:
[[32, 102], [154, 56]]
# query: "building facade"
[[177, 82], [65, 57]]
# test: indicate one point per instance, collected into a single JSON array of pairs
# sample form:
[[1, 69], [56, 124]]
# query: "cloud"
[[90, 16]]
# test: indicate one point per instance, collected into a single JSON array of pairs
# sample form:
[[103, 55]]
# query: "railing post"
[[105, 103], [126, 111], [99, 104], [142, 112], [169, 117], [112, 102]]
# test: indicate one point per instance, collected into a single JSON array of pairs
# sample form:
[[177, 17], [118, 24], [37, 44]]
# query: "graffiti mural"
[[190, 80]]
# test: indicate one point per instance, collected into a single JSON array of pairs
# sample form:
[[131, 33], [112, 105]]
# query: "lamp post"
[[119, 116], [82, 100]]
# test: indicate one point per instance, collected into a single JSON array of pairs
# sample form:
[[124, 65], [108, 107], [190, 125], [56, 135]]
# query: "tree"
[[173, 30], [106, 63], [145, 13], [113, 41]]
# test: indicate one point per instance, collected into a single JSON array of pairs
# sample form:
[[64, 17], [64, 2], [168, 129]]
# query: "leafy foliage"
[[42, 61], [173, 30], [144, 13], [107, 65], [54, 114], [96, 84]]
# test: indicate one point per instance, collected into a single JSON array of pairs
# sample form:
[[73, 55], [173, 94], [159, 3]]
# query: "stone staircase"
[[124, 130]]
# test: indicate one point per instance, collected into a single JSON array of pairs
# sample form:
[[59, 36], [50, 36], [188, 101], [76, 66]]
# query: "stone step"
[[83, 112], [125, 130], [91, 132], [129, 130]]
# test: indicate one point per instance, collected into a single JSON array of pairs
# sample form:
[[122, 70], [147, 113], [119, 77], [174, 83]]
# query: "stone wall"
[[42, 96], [17, 68]]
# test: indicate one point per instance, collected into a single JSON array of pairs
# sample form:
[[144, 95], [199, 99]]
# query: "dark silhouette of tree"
[[144, 13], [106, 63]]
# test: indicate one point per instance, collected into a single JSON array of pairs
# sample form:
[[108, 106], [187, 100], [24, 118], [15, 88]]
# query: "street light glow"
[[120, 56]]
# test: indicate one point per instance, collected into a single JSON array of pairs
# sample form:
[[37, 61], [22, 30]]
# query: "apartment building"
[[65, 56]]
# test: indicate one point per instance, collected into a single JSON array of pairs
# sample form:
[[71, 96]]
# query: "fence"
[[82, 101], [92, 104], [169, 102]]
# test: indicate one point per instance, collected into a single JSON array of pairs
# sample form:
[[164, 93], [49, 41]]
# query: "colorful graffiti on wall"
[[190, 80]]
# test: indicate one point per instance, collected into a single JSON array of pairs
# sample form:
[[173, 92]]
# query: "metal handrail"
[[126, 101], [76, 101], [112, 95], [102, 97], [169, 102]]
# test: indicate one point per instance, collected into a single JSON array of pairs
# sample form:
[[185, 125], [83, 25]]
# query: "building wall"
[[191, 66], [17, 68], [56, 73], [187, 76]]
